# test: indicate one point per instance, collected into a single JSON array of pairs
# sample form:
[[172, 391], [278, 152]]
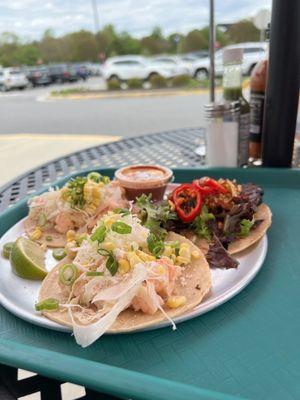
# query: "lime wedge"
[[28, 259]]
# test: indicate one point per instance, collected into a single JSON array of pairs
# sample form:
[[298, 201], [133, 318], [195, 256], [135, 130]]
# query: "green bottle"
[[232, 91]]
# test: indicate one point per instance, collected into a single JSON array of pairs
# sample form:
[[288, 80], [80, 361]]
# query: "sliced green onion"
[[7, 249], [121, 227], [94, 273], [42, 219], [94, 176], [59, 254], [155, 245], [104, 252], [80, 239], [112, 264], [99, 234], [48, 238], [105, 180], [122, 211], [68, 274], [50, 304], [176, 246]]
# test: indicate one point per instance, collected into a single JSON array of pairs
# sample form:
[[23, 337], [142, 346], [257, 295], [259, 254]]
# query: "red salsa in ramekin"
[[138, 179]]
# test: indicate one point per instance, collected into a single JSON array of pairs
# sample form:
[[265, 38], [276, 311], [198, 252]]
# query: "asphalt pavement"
[[30, 111]]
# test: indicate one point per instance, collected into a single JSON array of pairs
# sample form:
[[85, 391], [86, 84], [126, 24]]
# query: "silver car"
[[12, 78], [253, 53]]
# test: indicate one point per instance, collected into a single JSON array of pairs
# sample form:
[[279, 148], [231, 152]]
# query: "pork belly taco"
[[221, 217], [74, 207], [123, 277]]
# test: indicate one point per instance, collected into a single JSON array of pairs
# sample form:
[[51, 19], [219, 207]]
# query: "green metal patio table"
[[247, 348]]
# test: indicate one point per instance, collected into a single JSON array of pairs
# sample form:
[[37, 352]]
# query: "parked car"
[[199, 54], [128, 67], [183, 66], [12, 78], [253, 53], [38, 76], [95, 69], [82, 71], [62, 73]]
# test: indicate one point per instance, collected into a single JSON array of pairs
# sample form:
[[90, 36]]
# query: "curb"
[[138, 94]]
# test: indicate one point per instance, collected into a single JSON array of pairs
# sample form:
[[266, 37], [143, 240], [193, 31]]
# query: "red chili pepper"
[[209, 186], [188, 202]]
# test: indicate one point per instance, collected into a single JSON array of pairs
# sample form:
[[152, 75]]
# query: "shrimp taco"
[[122, 277], [221, 217], [75, 207]]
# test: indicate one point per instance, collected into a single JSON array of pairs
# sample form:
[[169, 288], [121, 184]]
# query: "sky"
[[30, 18]]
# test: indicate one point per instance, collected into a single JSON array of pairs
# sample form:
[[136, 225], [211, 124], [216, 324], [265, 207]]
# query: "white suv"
[[253, 53], [128, 67], [12, 78]]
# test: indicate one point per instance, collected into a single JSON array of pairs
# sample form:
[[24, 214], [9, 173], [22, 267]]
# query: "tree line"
[[84, 45]]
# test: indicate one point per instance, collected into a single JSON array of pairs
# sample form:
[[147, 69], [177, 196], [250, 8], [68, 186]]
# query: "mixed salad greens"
[[218, 212]]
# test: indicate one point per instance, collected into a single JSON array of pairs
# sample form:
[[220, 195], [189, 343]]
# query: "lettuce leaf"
[[200, 224]]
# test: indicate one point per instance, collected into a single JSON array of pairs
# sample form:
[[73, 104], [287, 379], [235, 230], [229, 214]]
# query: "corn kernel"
[[70, 235], [161, 270], [195, 254], [133, 259], [173, 257], [124, 266], [184, 251], [144, 256], [168, 251], [109, 220], [182, 260], [36, 234], [91, 192], [176, 301], [108, 246]]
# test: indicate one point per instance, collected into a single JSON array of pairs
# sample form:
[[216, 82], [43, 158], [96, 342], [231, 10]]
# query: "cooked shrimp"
[[147, 300], [164, 276], [63, 223]]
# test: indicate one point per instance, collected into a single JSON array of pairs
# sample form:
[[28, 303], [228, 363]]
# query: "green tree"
[[28, 54], [106, 40], [243, 31], [155, 43], [175, 42], [9, 44], [194, 41], [51, 48], [79, 46], [126, 44]]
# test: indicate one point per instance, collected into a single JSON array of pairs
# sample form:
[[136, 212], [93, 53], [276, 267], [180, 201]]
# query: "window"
[[127, 63], [166, 60], [192, 59], [253, 50]]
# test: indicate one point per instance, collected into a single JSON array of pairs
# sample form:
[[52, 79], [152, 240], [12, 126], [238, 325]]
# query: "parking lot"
[[30, 111]]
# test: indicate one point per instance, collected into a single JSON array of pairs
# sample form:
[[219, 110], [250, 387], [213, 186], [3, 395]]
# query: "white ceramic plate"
[[19, 295]]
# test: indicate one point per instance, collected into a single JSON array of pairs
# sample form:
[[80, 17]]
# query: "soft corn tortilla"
[[58, 239], [263, 213], [198, 284]]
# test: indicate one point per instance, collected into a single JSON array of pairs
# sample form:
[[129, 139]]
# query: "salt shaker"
[[222, 133]]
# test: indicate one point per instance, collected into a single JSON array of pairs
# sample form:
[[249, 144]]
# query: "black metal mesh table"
[[171, 148]]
